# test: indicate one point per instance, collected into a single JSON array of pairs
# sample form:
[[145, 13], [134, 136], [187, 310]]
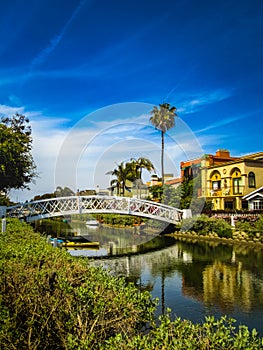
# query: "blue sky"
[[67, 64]]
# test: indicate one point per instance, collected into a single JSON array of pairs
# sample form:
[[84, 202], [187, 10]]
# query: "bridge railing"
[[94, 204]]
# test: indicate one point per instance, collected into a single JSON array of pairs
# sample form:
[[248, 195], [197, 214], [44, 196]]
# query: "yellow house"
[[226, 183]]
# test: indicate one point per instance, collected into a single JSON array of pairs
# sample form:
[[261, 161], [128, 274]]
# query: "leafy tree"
[[171, 196], [64, 192], [17, 168], [163, 119], [156, 192]]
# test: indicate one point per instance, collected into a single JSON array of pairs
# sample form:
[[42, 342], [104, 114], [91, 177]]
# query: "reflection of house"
[[227, 282], [229, 182]]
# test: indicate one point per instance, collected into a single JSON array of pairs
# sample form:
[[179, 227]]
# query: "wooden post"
[[3, 224]]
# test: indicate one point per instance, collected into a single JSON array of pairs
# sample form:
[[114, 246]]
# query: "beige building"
[[226, 184]]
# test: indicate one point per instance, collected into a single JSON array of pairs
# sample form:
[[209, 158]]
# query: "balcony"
[[226, 191]]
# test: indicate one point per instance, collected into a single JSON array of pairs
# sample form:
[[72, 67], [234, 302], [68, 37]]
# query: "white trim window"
[[258, 204], [237, 185]]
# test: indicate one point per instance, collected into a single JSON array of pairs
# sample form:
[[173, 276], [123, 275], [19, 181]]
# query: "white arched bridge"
[[32, 211]]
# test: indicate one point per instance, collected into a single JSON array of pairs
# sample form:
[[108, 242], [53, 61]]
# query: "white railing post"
[[79, 204], [129, 205]]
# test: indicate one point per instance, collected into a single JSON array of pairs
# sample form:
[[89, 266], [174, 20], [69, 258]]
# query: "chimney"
[[223, 153]]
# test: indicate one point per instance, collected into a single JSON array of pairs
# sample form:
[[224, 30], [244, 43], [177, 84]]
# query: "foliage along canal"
[[191, 277]]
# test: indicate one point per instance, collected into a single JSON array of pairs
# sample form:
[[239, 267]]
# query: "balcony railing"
[[225, 192]]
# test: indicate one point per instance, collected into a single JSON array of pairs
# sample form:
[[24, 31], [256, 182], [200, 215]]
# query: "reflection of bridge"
[[31, 211]]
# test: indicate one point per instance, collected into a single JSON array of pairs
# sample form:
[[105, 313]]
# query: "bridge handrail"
[[77, 204]]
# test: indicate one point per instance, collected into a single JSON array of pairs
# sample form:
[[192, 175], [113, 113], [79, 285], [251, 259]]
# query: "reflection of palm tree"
[[163, 296], [163, 118]]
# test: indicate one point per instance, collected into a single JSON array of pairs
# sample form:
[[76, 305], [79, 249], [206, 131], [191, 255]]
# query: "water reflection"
[[196, 279], [192, 277]]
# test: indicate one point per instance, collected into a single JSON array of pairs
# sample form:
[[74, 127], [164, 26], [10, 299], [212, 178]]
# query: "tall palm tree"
[[163, 119]]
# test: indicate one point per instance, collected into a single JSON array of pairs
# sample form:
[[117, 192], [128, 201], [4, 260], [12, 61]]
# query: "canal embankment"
[[50, 299]]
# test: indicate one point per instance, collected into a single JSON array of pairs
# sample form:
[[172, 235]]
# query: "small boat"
[[80, 244], [92, 223]]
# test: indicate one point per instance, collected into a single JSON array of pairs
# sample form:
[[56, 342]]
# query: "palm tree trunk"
[[140, 177], [162, 158]]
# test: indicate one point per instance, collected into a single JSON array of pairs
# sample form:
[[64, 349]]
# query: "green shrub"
[[184, 335], [221, 228], [253, 226], [50, 300], [259, 225], [203, 225]]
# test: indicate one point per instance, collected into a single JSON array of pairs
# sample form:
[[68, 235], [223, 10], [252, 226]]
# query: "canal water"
[[191, 277]]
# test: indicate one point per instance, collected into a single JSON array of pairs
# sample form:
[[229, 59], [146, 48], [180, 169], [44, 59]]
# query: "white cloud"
[[9, 111], [79, 157], [195, 102]]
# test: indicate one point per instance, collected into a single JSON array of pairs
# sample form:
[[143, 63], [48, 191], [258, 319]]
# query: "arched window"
[[236, 181], [215, 181], [251, 180]]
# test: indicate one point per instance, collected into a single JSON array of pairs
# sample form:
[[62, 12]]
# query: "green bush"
[[259, 225], [253, 228], [184, 335], [50, 300], [203, 225]]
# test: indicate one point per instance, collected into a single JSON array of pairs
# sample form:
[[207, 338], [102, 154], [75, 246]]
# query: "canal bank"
[[47, 288]]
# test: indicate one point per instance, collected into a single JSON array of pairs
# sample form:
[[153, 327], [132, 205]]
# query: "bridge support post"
[[187, 213], [79, 205]]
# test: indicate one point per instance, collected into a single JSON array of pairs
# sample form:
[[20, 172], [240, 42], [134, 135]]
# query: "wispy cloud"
[[222, 122], [43, 55], [195, 102], [9, 111]]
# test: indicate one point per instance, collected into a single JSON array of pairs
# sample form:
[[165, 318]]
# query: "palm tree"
[[122, 172], [137, 165], [115, 183], [163, 119], [142, 163]]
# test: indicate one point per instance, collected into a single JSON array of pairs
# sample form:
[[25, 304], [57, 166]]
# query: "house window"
[[251, 180], [216, 185], [245, 204], [258, 204], [229, 205], [237, 185]]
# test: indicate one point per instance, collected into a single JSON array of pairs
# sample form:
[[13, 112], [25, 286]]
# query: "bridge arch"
[[35, 210]]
